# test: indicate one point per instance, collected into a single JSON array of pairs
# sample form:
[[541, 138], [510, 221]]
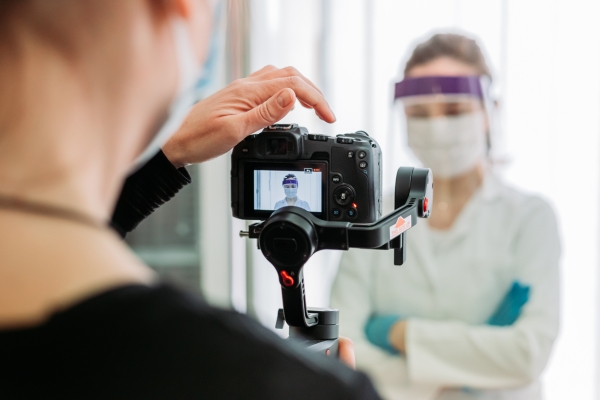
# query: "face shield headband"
[[290, 181], [467, 86]]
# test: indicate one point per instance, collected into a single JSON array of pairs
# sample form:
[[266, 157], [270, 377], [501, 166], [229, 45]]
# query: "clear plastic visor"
[[439, 105], [436, 111]]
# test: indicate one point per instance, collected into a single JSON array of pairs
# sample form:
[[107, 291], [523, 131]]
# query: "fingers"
[[269, 112], [346, 352], [304, 104], [270, 72], [267, 68], [307, 95]]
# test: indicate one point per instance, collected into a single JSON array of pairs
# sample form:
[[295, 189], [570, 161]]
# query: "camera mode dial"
[[344, 195]]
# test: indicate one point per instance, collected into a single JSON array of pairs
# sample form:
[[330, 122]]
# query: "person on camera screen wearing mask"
[[473, 313], [290, 188], [97, 121]]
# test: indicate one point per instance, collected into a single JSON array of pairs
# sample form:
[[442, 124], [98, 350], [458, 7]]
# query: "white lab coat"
[[447, 294], [299, 203]]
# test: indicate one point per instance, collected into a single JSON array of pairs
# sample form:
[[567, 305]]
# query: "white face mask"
[[449, 145], [290, 193], [189, 73]]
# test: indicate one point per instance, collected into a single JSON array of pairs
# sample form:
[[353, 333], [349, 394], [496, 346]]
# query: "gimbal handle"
[[291, 235]]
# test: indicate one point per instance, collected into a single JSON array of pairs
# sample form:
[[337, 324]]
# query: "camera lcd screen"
[[303, 188]]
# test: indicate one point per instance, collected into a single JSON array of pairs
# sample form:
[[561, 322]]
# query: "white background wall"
[[546, 56]]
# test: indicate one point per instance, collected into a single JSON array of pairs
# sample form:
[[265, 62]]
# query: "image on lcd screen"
[[276, 189]]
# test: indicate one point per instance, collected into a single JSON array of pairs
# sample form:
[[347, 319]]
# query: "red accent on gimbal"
[[287, 279]]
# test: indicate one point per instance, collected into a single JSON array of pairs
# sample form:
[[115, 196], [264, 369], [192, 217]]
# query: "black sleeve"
[[147, 189]]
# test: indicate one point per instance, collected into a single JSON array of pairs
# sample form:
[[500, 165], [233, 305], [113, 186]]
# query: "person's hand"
[[398, 336], [346, 352], [381, 330], [219, 122]]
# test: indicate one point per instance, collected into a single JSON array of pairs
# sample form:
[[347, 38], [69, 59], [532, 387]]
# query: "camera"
[[315, 192], [334, 178]]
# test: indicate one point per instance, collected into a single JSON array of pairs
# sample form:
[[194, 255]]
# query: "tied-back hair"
[[451, 45]]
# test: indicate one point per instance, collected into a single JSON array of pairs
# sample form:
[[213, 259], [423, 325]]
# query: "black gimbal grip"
[[294, 305]]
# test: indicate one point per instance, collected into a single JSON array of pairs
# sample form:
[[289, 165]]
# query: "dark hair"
[[452, 45]]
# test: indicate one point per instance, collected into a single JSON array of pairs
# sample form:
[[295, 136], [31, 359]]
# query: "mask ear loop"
[[206, 77], [184, 98]]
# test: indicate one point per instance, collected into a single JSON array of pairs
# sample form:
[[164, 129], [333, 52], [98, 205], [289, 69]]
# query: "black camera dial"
[[344, 195]]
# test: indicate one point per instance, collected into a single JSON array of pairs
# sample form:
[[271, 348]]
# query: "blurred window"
[[168, 240]]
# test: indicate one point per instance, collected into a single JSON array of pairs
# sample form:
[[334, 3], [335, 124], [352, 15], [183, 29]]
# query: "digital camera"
[[335, 178]]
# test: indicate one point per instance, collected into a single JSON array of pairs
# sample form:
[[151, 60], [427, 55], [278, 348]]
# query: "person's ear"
[[197, 15], [181, 8]]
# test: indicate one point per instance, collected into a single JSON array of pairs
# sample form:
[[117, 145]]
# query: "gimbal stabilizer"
[[291, 235]]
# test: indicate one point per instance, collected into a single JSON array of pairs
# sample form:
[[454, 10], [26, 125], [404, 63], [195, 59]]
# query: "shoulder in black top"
[[138, 342]]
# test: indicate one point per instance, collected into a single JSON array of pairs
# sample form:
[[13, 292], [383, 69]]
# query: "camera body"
[[334, 178]]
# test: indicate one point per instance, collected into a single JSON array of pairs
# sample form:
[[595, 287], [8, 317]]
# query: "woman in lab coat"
[[474, 311]]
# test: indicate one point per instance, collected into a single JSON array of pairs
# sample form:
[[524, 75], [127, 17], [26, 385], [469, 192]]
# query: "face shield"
[[446, 120], [290, 186]]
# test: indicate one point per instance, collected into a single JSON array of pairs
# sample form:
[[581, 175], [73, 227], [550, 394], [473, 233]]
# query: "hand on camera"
[[219, 122]]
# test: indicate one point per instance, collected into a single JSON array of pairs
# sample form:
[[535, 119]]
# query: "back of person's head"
[[451, 45], [84, 40], [119, 55], [65, 25]]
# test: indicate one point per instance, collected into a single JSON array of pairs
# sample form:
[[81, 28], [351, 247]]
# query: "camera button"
[[343, 195], [336, 179], [336, 212], [345, 140], [350, 154], [320, 138], [363, 164], [362, 154], [351, 213]]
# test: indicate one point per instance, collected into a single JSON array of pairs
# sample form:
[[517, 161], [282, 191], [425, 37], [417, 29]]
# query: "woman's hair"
[[452, 45]]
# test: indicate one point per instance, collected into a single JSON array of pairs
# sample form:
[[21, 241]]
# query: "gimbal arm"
[[291, 235]]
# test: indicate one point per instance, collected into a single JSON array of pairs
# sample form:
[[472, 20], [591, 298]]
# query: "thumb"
[[271, 111], [346, 352]]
